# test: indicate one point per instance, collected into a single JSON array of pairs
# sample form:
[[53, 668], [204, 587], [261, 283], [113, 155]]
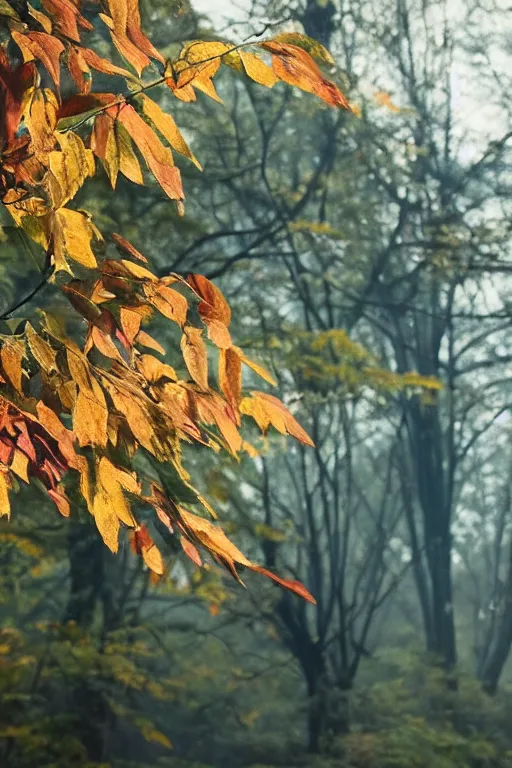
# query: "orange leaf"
[[45, 48], [292, 586], [213, 305], [169, 302], [158, 158], [295, 66], [79, 70], [61, 501], [218, 333], [11, 356], [194, 354], [147, 341], [215, 541], [212, 409], [127, 247], [130, 323], [65, 16], [105, 344], [104, 66], [230, 376], [133, 27], [118, 29], [191, 551]]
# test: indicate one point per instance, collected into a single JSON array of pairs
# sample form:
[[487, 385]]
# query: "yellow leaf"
[[268, 411], [41, 350], [73, 233], [41, 119], [5, 484], [19, 465], [109, 503], [153, 559], [136, 414], [128, 161], [259, 369], [90, 413], [151, 734], [154, 370], [90, 416], [68, 168], [257, 70], [166, 125]]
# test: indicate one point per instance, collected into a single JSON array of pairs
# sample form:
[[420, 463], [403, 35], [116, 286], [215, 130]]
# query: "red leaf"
[[293, 586]]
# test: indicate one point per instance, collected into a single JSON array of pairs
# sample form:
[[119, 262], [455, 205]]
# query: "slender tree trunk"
[[86, 554], [442, 600], [316, 717], [493, 665]]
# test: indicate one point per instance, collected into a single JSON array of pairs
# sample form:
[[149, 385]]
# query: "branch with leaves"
[[88, 408]]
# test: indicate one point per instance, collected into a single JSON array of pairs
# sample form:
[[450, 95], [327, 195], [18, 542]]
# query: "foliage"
[[82, 397]]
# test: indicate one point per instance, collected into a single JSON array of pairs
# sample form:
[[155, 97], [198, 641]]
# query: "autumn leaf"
[[213, 538], [230, 376], [73, 234], [41, 47], [267, 411], [194, 354], [154, 370], [383, 98], [110, 506], [5, 484], [42, 351], [143, 544], [12, 353], [84, 400], [165, 124], [294, 65], [213, 310], [128, 248], [257, 70], [158, 158]]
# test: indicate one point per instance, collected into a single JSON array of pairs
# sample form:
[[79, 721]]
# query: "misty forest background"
[[367, 260]]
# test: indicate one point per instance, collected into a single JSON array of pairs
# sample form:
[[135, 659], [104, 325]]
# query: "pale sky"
[[217, 10]]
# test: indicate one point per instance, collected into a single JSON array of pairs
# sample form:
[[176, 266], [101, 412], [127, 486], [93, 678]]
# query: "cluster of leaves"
[[85, 409], [330, 361]]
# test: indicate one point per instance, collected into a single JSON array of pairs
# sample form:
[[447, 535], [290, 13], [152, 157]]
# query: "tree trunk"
[[493, 665], [86, 553], [318, 20], [439, 559]]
